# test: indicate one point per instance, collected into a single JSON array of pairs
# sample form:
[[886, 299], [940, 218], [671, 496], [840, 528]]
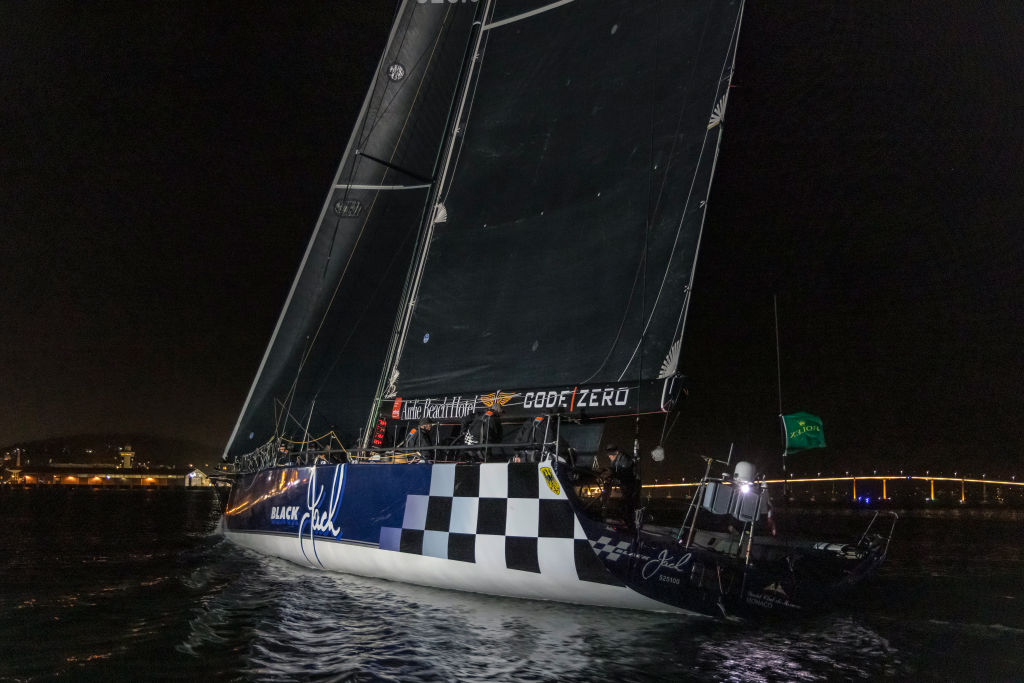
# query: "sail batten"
[[382, 187], [526, 15]]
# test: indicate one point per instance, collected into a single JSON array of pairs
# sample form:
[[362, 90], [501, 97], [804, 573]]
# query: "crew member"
[[483, 428], [532, 432], [418, 437]]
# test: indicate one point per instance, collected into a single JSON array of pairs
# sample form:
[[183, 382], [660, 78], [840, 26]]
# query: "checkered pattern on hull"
[[497, 515]]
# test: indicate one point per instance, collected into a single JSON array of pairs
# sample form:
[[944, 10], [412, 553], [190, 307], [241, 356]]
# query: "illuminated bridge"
[[865, 488]]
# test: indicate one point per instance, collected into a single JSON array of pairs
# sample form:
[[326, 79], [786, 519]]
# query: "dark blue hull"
[[516, 530]]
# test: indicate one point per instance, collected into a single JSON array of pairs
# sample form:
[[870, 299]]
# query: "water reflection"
[[301, 623], [92, 593]]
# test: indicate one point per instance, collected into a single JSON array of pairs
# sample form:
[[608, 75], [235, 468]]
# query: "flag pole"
[[778, 371], [778, 358]]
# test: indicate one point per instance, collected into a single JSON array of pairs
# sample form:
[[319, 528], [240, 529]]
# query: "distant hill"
[[102, 449]]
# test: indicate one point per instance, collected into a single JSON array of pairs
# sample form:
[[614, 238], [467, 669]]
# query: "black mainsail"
[[569, 209]]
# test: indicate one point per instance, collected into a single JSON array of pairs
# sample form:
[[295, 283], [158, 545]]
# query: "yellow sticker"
[[552, 483]]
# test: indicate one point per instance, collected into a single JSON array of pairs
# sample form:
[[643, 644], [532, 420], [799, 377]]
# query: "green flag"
[[803, 431]]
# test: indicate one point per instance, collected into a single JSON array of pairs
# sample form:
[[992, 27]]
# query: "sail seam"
[[684, 314]]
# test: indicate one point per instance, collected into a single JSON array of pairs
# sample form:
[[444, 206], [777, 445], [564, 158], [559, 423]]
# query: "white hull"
[[435, 572]]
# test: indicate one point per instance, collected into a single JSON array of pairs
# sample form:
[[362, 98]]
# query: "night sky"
[[162, 167]]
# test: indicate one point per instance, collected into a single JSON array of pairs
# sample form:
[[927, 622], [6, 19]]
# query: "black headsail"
[[556, 270], [321, 367]]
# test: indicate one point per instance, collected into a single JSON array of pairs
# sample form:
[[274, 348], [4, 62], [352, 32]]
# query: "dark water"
[[115, 585]]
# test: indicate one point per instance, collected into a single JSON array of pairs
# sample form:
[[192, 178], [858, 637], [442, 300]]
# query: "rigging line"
[[679, 119], [640, 268], [638, 461], [287, 414], [649, 220], [661, 441], [679, 228], [385, 378], [685, 312], [650, 211], [362, 229], [369, 300], [334, 294], [314, 439], [330, 247], [292, 390]]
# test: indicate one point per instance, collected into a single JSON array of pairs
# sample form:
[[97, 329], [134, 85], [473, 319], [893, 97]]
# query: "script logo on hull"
[[317, 521]]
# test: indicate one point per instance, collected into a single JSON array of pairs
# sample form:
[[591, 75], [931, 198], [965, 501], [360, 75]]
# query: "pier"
[[109, 477]]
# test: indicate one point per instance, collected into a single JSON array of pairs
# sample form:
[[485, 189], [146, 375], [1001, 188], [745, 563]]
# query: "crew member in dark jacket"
[[484, 428], [419, 437], [623, 472]]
